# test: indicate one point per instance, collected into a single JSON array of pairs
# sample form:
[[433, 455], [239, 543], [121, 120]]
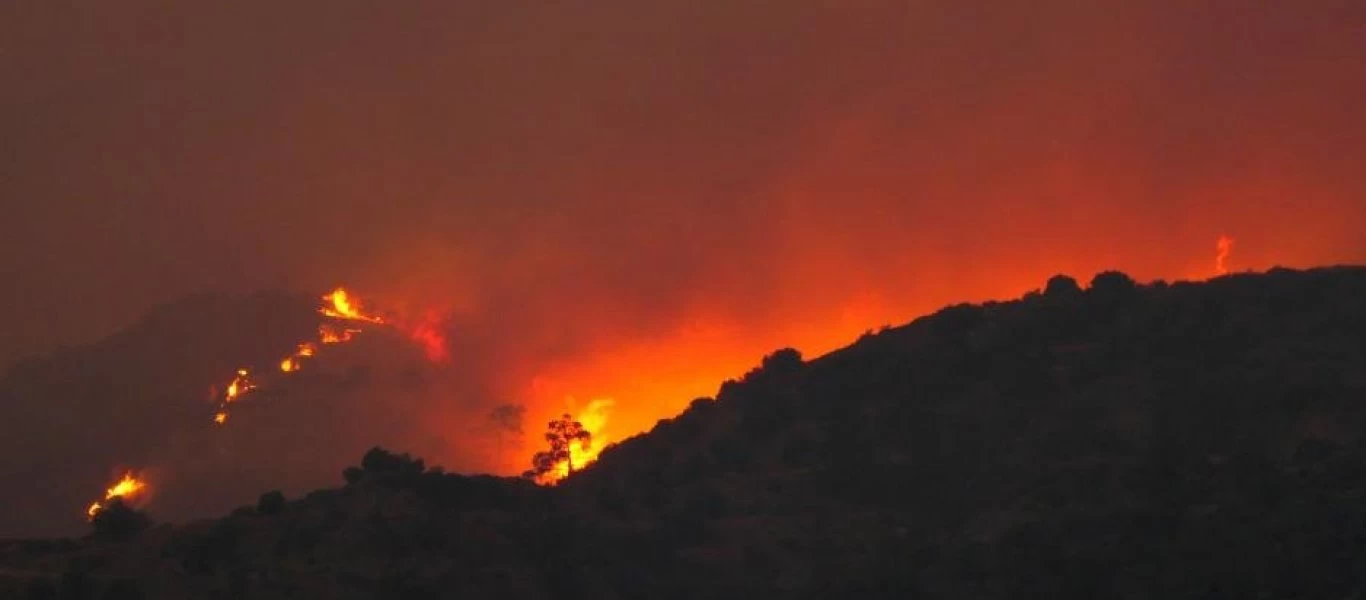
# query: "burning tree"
[[562, 434]]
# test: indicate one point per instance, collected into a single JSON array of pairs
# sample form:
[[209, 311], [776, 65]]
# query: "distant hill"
[[68, 420], [1191, 440]]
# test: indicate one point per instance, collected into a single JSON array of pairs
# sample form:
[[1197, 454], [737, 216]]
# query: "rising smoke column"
[[1224, 247]]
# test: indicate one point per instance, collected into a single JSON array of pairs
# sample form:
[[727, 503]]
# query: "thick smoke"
[[636, 199]]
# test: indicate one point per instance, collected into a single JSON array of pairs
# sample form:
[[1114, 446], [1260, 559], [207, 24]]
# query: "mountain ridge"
[[1184, 440]]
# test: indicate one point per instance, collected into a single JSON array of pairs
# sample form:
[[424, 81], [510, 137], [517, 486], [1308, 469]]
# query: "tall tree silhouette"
[[561, 434]]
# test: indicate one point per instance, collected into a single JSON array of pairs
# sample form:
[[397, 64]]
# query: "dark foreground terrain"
[[1122, 441]]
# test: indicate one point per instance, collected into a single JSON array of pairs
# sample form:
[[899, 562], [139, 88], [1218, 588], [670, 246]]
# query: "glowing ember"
[[127, 488], [341, 305], [328, 334], [1224, 247], [290, 363], [241, 384]]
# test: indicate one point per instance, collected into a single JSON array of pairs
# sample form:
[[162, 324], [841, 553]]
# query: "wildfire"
[[328, 334], [241, 384], [290, 363], [593, 418], [127, 488], [340, 305], [1224, 246]]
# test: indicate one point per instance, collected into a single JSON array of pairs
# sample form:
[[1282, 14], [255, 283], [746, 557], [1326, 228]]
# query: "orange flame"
[[593, 417], [127, 488], [290, 363], [341, 305], [1224, 246], [241, 384], [328, 334]]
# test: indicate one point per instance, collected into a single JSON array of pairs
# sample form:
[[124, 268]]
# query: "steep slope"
[[68, 420], [1187, 440]]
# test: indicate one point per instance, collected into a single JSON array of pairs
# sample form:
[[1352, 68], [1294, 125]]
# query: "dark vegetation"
[[1119, 441]]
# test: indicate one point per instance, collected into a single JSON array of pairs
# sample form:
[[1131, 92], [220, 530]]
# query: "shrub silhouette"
[[1112, 284], [271, 503], [388, 467], [1061, 285], [785, 360], [118, 521], [379, 460], [353, 475]]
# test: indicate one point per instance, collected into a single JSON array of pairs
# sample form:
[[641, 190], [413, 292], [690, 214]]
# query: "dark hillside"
[[1193, 440]]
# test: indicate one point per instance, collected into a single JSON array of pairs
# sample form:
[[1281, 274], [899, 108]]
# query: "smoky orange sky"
[[638, 199]]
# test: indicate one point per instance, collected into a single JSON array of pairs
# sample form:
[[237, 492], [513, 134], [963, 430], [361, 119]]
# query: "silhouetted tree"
[[508, 417], [1112, 284], [271, 503], [782, 361], [507, 420], [1061, 285], [561, 434], [118, 521], [353, 475], [381, 461]]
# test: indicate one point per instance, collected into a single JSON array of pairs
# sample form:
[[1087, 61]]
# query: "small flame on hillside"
[[339, 304], [328, 334], [241, 384], [127, 488], [291, 363]]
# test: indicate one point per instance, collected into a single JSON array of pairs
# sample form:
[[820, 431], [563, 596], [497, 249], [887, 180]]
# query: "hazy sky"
[[636, 199], [628, 160]]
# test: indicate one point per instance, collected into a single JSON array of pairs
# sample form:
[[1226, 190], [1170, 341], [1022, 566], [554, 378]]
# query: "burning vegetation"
[[342, 312], [574, 439], [571, 441], [128, 488]]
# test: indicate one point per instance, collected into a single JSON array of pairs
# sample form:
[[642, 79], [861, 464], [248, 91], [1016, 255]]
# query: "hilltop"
[[1134, 441]]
